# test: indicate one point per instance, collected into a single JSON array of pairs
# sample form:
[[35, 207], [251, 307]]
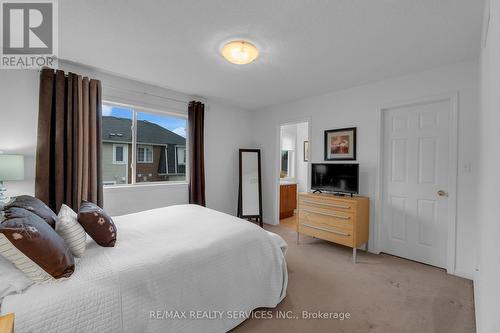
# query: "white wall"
[[487, 279], [226, 130], [358, 107]]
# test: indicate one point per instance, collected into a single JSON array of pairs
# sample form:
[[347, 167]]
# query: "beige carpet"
[[382, 293]]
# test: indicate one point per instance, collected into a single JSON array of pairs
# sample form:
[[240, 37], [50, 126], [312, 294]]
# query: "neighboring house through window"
[[120, 154], [180, 155], [144, 154], [156, 141]]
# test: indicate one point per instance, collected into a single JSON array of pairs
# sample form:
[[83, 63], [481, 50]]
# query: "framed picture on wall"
[[306, 151], [340, 144]]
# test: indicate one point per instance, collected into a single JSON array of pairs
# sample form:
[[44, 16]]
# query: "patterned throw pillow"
[[97, 224], [36, 206], [71, 231], [34, 247]]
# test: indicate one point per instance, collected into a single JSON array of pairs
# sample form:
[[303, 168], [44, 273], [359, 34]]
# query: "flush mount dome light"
[[240, 52]]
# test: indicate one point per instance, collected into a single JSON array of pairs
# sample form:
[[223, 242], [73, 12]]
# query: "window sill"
[[142, 185]]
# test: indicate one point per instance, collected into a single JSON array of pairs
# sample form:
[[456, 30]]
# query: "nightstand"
[[7, 323]]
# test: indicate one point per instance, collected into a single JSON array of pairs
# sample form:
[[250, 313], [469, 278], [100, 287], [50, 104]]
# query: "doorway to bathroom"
[[294, 158]]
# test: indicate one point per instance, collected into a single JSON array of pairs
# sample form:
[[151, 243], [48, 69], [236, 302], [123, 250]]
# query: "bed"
[[183, 268]]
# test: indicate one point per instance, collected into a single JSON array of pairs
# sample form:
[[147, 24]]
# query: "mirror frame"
[[240, 199]]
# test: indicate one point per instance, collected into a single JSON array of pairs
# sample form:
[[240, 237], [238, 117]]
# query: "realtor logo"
[[29, 34]]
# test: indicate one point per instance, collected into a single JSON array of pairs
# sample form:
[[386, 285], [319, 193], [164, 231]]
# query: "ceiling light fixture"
[[240, 52]]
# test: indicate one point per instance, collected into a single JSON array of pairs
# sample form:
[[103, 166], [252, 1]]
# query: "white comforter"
[[167, 262]]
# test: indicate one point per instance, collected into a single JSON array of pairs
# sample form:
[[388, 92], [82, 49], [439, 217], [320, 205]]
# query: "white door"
[[416, 181]]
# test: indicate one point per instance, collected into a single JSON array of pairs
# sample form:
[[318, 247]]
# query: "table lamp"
[[11, 168]]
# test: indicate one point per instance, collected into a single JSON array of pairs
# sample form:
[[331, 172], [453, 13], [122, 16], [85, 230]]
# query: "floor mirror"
[[250, 186]]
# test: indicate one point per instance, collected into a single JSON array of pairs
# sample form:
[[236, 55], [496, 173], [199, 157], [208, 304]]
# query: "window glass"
[[144, 154], [140, 154], [119, 154], [181, 155], [116, 138], [161, 142]]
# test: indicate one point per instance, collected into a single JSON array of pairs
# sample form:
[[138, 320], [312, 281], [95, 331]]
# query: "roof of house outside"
[[118, 130]]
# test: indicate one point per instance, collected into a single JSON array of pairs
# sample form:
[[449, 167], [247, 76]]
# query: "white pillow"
[[71, 231], [12, 280]]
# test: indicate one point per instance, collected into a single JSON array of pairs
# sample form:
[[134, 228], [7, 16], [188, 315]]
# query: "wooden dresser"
[[288, 200], [342, 220], [7, 323]]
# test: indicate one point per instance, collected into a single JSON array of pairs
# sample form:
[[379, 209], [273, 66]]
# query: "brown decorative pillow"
[[36, 206], [97, 224], [34, 247]]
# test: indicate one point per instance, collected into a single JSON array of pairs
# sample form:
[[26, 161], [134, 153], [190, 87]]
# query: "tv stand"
[[317, 191]]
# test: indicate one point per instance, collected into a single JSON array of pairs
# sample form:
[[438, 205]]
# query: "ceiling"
[[307, 47]]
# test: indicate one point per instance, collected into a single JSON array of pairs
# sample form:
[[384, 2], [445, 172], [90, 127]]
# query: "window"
[[116, 138], [120, 155], [153, 138], [144, 154], [181, 155]]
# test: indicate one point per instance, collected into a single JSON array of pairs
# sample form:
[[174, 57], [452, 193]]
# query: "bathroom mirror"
[[250, 186]]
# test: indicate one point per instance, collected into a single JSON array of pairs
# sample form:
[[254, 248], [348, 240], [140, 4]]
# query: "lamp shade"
[[240, 52], [11, 167]]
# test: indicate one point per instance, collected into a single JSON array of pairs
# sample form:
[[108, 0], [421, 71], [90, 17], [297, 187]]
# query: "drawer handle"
[[327, 214], [326, 204], [327, 230]]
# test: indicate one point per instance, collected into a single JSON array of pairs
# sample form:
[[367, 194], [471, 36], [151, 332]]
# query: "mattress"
[[175, 269]]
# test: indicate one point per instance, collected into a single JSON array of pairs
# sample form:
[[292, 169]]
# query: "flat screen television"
[[336, 178]]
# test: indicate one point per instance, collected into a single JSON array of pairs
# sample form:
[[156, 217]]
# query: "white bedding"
[[179, 258]]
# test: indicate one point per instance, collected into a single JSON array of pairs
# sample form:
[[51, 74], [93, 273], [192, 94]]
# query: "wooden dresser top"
[[328, 196]]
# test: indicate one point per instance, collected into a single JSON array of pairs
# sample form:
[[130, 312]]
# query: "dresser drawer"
[[326, 203], [331, 234], [326, 218]]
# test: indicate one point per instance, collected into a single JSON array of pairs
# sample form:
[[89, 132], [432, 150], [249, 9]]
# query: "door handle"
[[442, 193]]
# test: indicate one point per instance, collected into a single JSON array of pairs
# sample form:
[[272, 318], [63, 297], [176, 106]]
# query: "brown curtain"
[[68, 158], [196, 150]]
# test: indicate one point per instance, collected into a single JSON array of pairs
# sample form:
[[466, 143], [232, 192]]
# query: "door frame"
[[277, 162], [452, 177]]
